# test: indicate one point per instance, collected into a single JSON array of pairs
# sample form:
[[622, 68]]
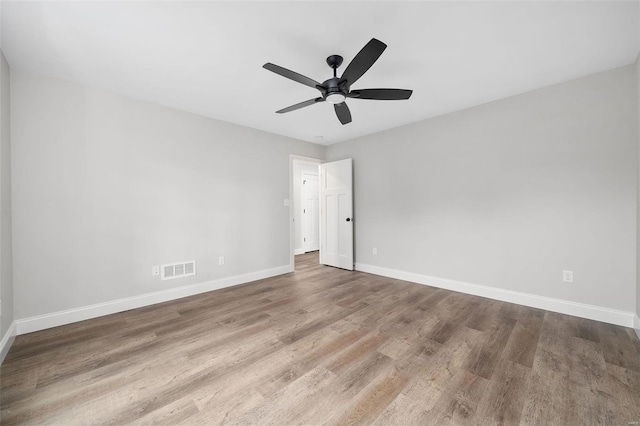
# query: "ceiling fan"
[[337, 89]]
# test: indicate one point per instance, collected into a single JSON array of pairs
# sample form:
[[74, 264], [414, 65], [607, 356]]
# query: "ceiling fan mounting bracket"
[[334, 61]]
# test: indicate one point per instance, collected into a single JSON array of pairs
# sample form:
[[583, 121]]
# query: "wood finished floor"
[[325, 346]]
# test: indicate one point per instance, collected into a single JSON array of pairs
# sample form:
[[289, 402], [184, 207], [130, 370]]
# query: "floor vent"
[[178, 270]]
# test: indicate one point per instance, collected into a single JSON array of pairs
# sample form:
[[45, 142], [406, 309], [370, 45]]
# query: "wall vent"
[[178, 270]]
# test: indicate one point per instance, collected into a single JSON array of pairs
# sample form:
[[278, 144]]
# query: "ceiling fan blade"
[[343, 113], [381, 94], [300, 105], [291, 75], [363, 60]]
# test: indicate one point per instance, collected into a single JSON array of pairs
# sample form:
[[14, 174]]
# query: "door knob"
[[348, 219]]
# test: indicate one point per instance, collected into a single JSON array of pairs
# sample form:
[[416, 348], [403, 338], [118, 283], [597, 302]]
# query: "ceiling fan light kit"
[[335, 98], [337, 89]]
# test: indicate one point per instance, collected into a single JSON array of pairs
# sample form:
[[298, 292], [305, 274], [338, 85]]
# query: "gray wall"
[[6, 268], [105, 187], [509, 194]]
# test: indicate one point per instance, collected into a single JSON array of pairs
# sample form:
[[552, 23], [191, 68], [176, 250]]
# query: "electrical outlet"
[[567, 276], [221, 260], [375, 250], [155, 271]]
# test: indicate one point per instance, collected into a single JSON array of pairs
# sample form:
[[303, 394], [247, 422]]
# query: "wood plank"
[[402, 411], [570, 387], [459, 401], [621, 396], [503, 400], [290, 402], [522, 344], [371, 403], [485, 356]]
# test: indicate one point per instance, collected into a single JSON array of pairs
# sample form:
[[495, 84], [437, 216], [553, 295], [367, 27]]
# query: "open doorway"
[[305, 213]]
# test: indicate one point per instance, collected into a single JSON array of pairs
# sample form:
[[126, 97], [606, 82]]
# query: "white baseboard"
[[636, 325], [55, 319], [298, 251], [7, 340], [593, 312]]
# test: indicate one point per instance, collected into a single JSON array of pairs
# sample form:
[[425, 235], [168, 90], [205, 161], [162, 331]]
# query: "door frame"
[[305, 219], [292, 244]]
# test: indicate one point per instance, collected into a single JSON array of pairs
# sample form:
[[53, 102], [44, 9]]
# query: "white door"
[[336, 214], [310, 212]]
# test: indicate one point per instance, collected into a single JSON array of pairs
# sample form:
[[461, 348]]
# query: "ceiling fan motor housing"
[[335, 84], [335, 90]]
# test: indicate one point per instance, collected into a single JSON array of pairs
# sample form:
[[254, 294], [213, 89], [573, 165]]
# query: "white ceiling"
[[207, 57]]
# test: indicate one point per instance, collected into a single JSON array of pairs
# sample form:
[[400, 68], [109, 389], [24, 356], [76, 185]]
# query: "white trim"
[[55, 319], [7, 340], [598, 313], [306, 245], [292, 231], [636, 324], [299, 251]]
